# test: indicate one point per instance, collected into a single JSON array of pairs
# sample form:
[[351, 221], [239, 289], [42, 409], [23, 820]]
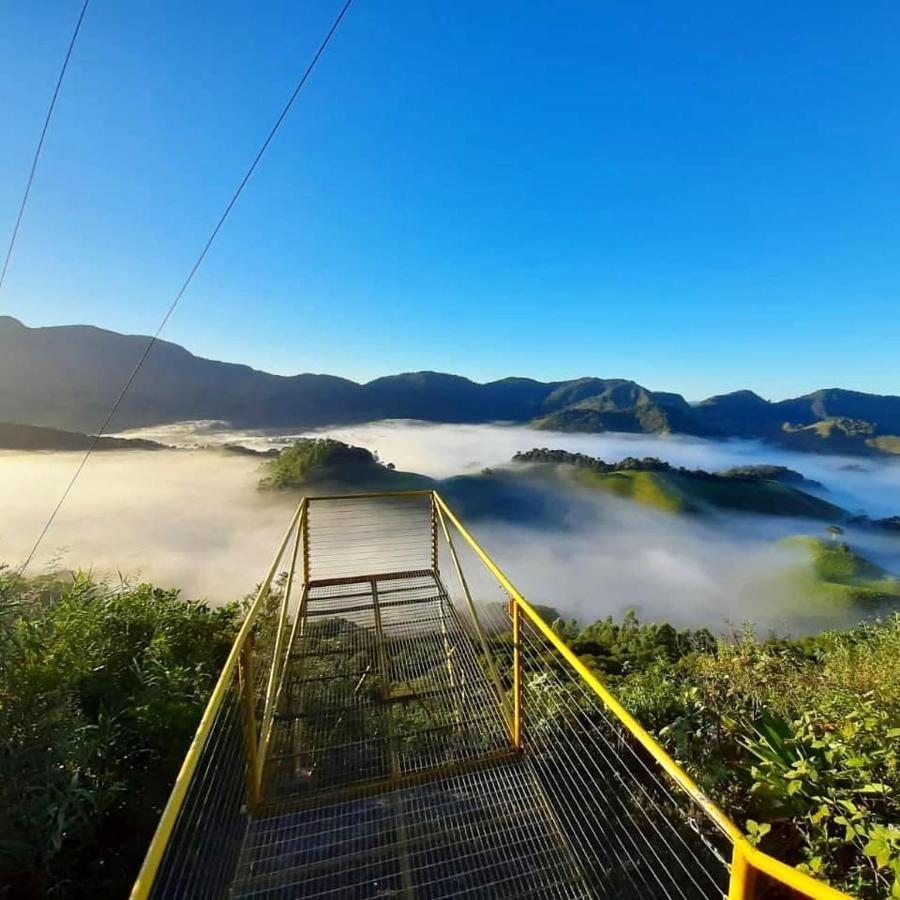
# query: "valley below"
[[729, 544]]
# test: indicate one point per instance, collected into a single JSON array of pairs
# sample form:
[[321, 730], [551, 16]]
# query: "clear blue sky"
[[699, 196]]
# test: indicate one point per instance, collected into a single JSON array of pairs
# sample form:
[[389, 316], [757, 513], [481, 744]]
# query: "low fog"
[[194, 519], [720, 572], [865, 484]]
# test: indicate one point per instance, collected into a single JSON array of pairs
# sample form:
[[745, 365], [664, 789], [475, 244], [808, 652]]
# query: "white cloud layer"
[[195, 520]]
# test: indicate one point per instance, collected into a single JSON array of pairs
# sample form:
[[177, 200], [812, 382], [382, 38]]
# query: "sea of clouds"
[[195, 519], [440, 450]]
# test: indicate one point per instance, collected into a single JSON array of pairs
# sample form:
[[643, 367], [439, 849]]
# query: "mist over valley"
[[193, 516]]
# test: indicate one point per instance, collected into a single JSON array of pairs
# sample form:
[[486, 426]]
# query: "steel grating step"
[[390, 771], [484, 833]]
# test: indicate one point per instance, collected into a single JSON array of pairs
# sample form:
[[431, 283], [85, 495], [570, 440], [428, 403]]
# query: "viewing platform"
[[395, 720]]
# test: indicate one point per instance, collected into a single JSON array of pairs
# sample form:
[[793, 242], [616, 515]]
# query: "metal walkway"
[[391, 752], [396, 721]]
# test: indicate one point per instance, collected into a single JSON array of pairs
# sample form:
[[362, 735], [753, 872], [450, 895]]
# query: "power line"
[[40, 145], [193, 271]]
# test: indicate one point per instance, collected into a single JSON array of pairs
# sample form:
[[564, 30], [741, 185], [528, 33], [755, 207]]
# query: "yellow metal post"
[[306, 519], [248, 701], [278, 653], [448, 654], [434, 533], [296, 630], [743, 876], [517, 673]]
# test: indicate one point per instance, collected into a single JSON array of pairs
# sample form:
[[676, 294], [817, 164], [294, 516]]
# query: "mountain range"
[[69, 376]]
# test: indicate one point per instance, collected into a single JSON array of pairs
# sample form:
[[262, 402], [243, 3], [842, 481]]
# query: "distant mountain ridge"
[[68, 377]]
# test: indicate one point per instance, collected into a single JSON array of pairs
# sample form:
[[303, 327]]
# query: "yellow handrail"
[[169, 817], [743, 850], [370, 496], [273, 683]]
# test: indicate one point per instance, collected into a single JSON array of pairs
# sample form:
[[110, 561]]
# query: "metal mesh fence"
[[202, 853], [196, 856], [369, 535], [630, 830], [633, 833]]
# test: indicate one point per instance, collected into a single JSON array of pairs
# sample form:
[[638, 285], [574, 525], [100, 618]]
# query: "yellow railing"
[[251, 707], [223, 772], [747, 860]]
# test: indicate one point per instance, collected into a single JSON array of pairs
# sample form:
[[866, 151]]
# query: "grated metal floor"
[[390, 772]]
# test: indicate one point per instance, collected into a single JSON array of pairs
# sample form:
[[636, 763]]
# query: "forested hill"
[[68, 377], [770, 490]]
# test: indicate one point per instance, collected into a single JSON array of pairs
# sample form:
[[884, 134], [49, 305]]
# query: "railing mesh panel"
[[202, 853], [369, 536], [631, 831]]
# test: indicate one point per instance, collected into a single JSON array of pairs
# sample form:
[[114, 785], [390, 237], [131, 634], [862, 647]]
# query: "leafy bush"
[[799, 740], [101, 688], [617, 649]]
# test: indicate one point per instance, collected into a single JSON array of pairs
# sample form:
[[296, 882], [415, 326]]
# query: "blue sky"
[[698, 196]]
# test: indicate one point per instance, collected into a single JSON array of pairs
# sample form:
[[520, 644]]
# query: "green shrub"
[[801, 737], [101, 688]]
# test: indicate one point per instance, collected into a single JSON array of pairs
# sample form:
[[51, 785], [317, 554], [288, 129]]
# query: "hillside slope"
[[825, 421], [594, 405], [768, 490], [68, 377], [311, 463], [14, 436], [683, 492], [841, 576], [316, 465]]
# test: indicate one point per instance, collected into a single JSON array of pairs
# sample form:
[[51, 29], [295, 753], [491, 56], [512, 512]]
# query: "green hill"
[[740, 413], [882, 412], [318, 465], [769, 490], [15, 436], [650, 488], [839, 435], [744, 412], [595, 405], [323, 462], [684, 492], [842, 576], [521, 493]]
